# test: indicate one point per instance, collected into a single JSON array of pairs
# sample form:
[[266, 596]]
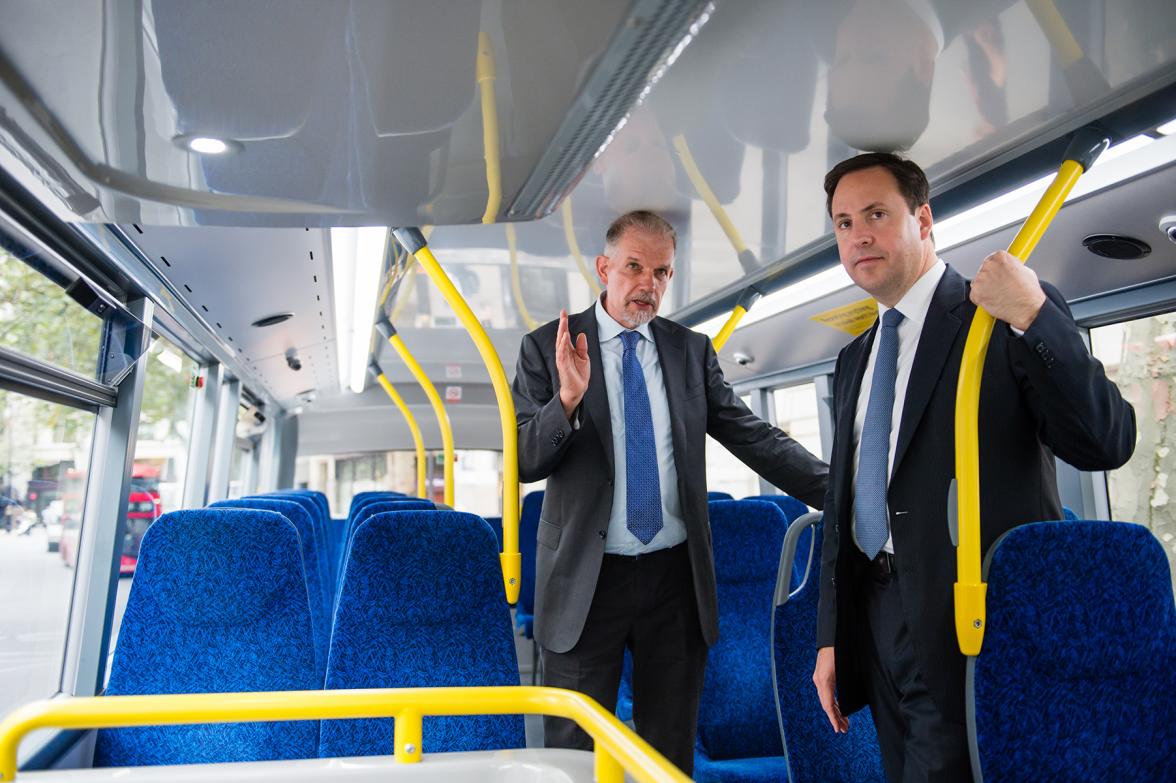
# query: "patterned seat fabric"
[[1076, 677], [218, 604], [422, 605], [529, 515]]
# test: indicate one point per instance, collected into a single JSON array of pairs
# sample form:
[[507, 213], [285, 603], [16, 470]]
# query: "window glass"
[[724, 471], [239, 469], [796, 414], [44, 456], [1140, 357]]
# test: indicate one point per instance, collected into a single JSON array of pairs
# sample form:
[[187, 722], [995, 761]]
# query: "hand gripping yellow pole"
[[749, 297], [746, 257], [574, 247], [412, 241], [375, 371], [618, 748], [486, 75], [388, 332], [970, 614]]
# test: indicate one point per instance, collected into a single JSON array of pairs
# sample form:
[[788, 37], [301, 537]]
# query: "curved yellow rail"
[[969, 590], [1056, 30], [574, 246], [516, 285], [746, 257], [486, 76], [412, 241], [618, 749], [430, 390], [749, 297], [412, 425]]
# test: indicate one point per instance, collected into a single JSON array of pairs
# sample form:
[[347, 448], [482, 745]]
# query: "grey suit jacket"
[[578, 465]]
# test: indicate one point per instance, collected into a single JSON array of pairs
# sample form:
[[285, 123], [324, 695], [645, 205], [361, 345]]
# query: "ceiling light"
[[357, 259], [791, 296], [1167, 129], [271, 320], [206, 145]]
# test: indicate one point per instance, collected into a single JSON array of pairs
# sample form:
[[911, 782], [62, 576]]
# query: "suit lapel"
[[939, 333], [596, 398], [671, 353]]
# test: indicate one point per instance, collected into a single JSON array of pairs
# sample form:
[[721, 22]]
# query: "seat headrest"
[[745, 525]]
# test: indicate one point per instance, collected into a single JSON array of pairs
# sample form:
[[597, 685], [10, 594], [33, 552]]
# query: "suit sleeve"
[[543, 428], [1081, 415], [765, 449], [830, 545]]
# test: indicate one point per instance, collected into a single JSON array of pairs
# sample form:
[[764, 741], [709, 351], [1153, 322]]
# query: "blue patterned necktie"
[[642, 485], [870, 512]]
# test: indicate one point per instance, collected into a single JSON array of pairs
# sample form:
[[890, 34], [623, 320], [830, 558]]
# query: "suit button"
[[557, 438], [602, 533], [833, 581]]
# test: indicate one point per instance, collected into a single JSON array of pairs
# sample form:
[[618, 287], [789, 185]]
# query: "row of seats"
[[234, 598]]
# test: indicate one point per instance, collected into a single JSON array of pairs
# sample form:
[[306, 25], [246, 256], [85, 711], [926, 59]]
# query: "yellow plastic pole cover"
[[486, 76], [516, 284], [728, 328], [511, 560], [430, 390], [422, 489], [621, 748], [574, 246], [969, 591]]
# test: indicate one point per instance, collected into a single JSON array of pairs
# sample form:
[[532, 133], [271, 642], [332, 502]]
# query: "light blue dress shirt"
[[620, 541]]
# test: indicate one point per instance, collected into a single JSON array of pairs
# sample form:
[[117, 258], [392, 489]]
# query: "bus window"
[[44, 451], [724, 471], [1140, 357], [796, 414]]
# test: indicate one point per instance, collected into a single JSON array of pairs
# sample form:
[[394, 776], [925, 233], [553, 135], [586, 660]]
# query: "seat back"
[[1076, 677], [317, 583], [714, 495], [422, 605], [793, 510], [218, 604], [360, 497], [816, 754], [319, 518], [529, 516], [737, 715], [369, 509]]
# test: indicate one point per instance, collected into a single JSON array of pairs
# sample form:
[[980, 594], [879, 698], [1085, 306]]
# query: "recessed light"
[[270, 320], [206, 145], [1120, 248]]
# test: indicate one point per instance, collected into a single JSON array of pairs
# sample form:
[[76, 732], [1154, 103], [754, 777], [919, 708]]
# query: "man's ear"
[[602, 270], [926, 222]]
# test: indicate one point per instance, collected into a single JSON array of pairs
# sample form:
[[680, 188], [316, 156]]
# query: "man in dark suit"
[[885, 631], [614, 405]]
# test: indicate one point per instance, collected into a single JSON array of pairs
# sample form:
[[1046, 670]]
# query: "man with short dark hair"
[[614, 405], [885, 632]]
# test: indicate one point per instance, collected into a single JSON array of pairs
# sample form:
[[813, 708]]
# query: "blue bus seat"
[[793, 509], [814, 752], [422, 605], [715, 495], [320, 527], [218, 604], [495, 524], [1068, 514], [529, 514], [737, 735], [317, 585], [380, 494], [1076, 677]]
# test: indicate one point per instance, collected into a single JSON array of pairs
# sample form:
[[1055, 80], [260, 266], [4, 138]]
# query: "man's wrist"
[[570, 404], [1025, 321]]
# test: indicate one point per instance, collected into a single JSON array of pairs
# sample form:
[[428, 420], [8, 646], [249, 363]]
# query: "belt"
[[883, 564], [655, 554]]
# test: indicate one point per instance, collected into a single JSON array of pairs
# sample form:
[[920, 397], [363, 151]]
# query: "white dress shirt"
[[913, 306], [619, 540]]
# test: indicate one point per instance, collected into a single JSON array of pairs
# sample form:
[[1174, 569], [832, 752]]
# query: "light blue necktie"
[[870, 512], [642, 485]]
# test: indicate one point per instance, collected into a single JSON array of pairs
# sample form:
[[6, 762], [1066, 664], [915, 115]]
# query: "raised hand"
[[1008, 290], [572, 363]]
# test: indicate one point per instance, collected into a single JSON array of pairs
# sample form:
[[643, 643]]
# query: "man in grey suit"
[[614, 405]]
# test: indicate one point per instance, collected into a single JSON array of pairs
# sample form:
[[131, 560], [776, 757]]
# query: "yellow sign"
[[854, 318]]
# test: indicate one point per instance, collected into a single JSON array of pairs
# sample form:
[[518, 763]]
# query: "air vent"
[[271, 320], [1117, 247], [652, 35]]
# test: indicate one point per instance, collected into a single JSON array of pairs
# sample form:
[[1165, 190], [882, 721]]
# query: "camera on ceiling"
[[1168, 226], [292, 360], [742, 359]]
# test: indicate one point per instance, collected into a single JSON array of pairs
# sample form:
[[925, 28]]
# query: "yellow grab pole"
[[749, 297], [382, 379], [623, 748], [746, 257], [388, 332], [1056, 30], [969, 590], [412, 241], [516, 285], [574, 247], [486, 76]]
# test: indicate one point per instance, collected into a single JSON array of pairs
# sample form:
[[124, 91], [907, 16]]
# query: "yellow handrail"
[[749, 297], [414, 243], [378, 374], [388, 332], [969, 590], [486, 74], [574, 247], [617, 747], [746, 257], [516, 285]]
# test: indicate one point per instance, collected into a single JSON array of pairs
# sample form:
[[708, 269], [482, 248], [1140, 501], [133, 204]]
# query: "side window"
[[796, 414], [724, 471], [1140, 357], [44, 456]]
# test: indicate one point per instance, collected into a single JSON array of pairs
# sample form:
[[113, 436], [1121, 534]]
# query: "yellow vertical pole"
[[516, 284], [574, 246], [485, 75], [407, 736], [749, 297], [378, 374]]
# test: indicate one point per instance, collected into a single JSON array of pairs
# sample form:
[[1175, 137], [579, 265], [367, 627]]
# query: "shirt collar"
[[608, 328], [917, 301]]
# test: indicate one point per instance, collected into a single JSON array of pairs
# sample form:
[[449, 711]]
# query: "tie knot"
[[892, 318], [630, 338]]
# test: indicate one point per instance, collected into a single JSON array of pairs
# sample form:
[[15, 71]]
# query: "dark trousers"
[[918, 744], [647, 604]]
